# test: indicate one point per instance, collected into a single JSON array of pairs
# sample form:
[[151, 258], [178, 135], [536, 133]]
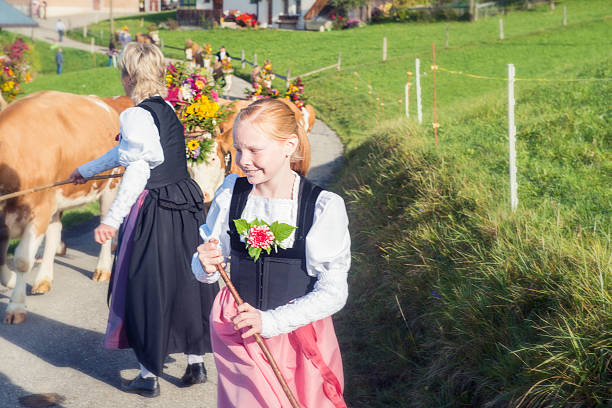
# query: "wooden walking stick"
[[262, 345], [57, 183]]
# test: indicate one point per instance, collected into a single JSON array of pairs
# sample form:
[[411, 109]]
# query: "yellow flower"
[[10, 72], [7, 86], [192, 145]]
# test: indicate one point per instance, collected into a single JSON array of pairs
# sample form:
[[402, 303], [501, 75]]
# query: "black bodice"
[[280, 277], [172, 140]]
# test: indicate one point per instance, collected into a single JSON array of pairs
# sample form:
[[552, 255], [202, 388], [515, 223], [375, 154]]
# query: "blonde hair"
[[144, 65], [278, 118]]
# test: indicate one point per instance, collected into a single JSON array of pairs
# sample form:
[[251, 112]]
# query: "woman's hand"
[[248, 316], [103, 233], [76, 178], [210, 256]]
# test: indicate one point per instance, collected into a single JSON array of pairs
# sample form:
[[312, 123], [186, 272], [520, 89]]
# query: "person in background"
[[61, 28], [222, 54], [112, 53], [59, 60]]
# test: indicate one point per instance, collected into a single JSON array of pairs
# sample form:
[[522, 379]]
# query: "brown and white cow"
[[43, 137]]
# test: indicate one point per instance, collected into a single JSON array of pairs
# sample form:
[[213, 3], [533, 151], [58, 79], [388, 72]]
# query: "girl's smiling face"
[[259, 156]]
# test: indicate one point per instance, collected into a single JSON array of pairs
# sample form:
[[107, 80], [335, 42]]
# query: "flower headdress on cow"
[[262, 87], [195, 97], [14, 68]]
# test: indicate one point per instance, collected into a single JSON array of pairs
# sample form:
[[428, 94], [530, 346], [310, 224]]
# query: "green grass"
[[493, 308]]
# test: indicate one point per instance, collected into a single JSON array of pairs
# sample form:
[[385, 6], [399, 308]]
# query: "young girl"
[[157, 306], [289, 295]]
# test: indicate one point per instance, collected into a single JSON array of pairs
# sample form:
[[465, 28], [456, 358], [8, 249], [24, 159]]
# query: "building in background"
[[68, 7]]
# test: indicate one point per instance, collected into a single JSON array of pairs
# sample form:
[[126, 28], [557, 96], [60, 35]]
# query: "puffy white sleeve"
[[217, 225], [328, 258], [139, 151]]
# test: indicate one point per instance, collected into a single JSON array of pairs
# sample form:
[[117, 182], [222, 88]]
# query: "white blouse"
[[328, 252], [139, 151]]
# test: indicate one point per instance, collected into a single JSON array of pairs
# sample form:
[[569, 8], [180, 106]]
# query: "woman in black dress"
[[157, 306]]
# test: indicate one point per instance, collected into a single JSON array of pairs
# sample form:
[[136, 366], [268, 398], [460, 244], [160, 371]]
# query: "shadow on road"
[[62, 345]]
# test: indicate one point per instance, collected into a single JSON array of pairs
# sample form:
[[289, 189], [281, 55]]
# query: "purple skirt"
[[116, 335]]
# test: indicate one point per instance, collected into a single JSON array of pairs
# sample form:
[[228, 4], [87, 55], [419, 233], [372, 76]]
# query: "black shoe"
[[146, 387], [195, 374]]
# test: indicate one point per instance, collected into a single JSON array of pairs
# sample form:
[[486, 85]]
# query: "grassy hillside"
[[457, 301]]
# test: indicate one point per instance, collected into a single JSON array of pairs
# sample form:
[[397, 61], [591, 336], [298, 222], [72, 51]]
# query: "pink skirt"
[[308, 357]]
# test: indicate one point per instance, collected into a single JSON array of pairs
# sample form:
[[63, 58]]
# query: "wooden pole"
[[472, 10], [384, 50], [254, 59], [242, 59], [260, 342], [512, 139], [112, 19], [57, 183], [288, 77], [564, 15], [435, 117], [85, 31], [418, 91], [339, 61], [91, 45], [501, 29]]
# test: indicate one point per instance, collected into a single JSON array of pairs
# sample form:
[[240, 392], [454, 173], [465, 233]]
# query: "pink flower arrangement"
[[260, 236]]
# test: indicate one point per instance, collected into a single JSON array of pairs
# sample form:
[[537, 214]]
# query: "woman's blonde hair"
[[144, 65], [279, 119]]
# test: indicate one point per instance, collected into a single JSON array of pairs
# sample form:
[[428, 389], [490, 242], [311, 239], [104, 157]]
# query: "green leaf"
[[241, 226], [254, 253], [281, 231]]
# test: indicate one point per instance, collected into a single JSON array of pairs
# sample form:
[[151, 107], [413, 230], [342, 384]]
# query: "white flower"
[[186, 92]]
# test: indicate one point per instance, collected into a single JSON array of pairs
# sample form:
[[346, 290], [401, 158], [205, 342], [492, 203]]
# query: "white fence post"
[[91, 45], [254, 59], [512, 139], [384, 56], [446, 42], [501, 29], [418, 91], [564, 15]]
